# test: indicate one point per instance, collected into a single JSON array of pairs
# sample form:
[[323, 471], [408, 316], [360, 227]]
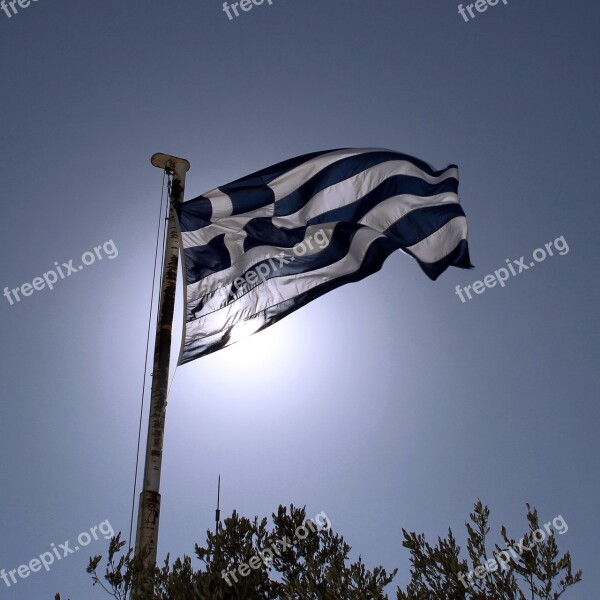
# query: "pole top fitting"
[[174, 163]]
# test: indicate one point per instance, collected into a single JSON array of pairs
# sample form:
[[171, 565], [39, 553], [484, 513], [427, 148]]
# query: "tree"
[[300, 559], [523, 569]]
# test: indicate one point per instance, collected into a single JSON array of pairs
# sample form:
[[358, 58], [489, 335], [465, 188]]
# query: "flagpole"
[[149, 503]]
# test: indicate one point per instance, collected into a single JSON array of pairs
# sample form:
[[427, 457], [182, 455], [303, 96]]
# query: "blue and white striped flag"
[[257, 249]]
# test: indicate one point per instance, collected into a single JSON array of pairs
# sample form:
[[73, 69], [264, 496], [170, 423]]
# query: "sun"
[[243, 330]]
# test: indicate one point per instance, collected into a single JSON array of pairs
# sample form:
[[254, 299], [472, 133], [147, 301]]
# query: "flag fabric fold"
[[259, 248]]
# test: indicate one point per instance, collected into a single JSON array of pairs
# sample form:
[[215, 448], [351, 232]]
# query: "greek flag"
[[261, 247]]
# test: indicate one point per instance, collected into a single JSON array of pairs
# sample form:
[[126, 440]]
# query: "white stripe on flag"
[[221, 203], [440, 243], [291, 180], [352, 189], [386, 213]]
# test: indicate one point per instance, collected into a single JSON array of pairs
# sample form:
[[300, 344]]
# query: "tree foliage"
[[531, 570], [298, 559]]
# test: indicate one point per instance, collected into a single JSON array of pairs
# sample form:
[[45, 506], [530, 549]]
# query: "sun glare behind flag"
[[259, 248]]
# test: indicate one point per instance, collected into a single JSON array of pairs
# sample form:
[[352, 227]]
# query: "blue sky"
[[388, 403]]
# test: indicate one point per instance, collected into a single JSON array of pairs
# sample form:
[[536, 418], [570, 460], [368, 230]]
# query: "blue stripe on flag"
[[201, 261]]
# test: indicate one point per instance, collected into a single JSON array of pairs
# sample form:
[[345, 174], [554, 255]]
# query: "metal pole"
[[218, 511], [149, 506]]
